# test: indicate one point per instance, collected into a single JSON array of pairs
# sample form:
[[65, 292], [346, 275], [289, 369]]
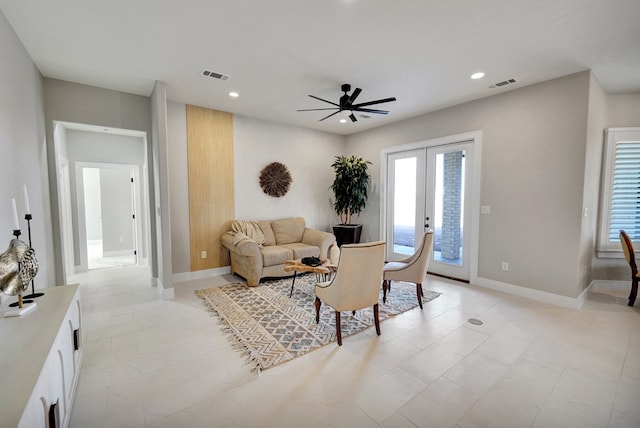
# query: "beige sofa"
[[258, 249]]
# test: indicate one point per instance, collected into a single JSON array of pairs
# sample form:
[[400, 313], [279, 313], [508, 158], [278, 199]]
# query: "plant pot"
[[347, 233]]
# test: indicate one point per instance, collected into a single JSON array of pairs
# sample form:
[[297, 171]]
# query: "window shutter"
[[625, 196]]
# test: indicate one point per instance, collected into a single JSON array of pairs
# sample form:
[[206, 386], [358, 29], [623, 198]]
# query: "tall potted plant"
[[350, 195]]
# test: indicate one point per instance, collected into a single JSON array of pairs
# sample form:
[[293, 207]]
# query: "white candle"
[[27, 207], [16, 225]]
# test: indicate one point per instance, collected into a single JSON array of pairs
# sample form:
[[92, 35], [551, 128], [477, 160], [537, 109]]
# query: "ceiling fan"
[[346, 103]]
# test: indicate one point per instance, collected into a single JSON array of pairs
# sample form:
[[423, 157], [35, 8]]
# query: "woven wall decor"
[[275, 179]]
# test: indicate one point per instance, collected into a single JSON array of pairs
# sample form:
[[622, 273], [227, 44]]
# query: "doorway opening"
[[103, 197], [109, 212], [434, 186]]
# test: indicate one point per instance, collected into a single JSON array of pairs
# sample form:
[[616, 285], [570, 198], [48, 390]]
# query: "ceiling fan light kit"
[[346, 104]]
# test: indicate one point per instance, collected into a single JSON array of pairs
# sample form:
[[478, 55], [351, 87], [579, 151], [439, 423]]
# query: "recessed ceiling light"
[[479, 75], [234, 94], [343, 120]]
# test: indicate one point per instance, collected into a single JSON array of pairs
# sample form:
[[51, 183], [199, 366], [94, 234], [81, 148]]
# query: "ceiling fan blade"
[[369, 103], [369, 110], [317, 109], [327, 117], [353, 118], [330, 102], [354, 95]]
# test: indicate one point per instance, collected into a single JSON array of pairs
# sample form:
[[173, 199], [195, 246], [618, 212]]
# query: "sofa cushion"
[[301, 250], [288, 230], [275, 255], [269, 238]]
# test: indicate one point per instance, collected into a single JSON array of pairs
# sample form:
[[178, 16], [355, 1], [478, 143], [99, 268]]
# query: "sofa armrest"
[[320, 239], [243, 247]]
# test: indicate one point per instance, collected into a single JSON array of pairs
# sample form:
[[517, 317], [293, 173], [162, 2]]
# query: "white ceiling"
[[279, 51]]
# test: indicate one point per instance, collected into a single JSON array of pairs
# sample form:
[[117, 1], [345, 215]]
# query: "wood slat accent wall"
[[211, 195]]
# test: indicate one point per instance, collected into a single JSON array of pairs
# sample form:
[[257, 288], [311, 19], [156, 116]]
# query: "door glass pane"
[[448, 207], [404, 205]]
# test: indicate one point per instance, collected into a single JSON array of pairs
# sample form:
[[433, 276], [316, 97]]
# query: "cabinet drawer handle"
[[76, 339], [54, 415]]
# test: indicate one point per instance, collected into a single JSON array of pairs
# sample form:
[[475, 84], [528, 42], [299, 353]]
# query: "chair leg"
[[634, 291], [317, 303], [419, 293], [385, 287], [338, 329], [376, 318]]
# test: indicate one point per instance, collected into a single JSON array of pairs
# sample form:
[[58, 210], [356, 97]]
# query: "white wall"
[[533, 165], [92, 203], [22, 142], [308, 155], [596, 122], [179, 187], [76, 103], [162, 213], [117, 212], [622, 110]]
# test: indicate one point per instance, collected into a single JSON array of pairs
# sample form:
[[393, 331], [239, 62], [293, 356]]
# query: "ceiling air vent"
[[213, 74], [503, 83]]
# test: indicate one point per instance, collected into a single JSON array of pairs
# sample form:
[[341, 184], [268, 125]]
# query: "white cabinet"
[[40, 358]]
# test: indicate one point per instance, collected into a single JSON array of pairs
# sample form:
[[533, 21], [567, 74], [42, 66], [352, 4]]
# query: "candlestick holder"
[[33, 294]]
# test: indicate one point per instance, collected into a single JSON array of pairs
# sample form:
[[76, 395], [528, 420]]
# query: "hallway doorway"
[[104, 200], [110, 213]]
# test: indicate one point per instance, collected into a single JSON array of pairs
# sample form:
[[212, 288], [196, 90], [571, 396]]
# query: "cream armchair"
[[356, 284], [412, 269]]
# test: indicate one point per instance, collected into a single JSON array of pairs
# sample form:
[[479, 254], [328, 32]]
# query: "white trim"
[[476, 138], [101, 129], [165, 293], [207, 273], [613, 136], [538, 295], [128, 252]]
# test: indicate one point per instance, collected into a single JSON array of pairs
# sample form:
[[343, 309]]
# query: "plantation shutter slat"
[[625, 196]]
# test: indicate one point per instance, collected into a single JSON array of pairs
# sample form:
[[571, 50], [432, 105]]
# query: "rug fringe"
[[237, 344]]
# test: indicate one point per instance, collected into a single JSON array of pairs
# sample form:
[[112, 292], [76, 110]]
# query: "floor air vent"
[[503, 83], [213, 74]]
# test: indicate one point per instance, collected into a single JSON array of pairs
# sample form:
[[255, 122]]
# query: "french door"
[[429, 188]]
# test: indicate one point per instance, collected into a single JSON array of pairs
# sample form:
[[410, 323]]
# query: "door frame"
[[82, 224], [474, 137]]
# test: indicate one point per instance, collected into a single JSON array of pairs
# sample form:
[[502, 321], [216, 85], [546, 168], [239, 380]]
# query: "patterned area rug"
[[271, 328]]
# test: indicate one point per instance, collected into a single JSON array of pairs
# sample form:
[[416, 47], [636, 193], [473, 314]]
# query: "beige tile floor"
[[166, 363]]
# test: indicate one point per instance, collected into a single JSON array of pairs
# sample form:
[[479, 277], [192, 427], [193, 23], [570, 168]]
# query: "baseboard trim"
[[540, 296], [199, 274], [168, 293], [165, 293]]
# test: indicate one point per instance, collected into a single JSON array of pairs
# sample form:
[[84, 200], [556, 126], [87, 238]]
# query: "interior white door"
[[428, 189]]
